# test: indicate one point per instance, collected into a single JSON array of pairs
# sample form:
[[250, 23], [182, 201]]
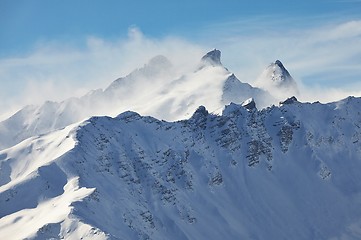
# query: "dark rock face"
[[290, 100], [213, 57]]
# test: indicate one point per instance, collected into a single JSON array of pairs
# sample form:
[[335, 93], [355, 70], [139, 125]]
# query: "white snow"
[[278, 81], [286, 172], [156, 90], [27, 222]]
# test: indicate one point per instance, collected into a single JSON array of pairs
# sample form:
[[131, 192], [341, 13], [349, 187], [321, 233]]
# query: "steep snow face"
[[289, 172], [35, 193], [278, 81], [156, 89]]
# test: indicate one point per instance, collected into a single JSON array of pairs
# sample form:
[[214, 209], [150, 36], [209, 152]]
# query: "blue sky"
[[26, 22], [77, 45]]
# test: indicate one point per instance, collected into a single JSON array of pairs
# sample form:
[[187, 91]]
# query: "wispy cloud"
[[322, 56], [56, 70], [326, 56]]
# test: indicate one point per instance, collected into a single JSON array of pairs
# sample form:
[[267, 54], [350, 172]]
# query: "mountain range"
[[201, 155], [153, 90]]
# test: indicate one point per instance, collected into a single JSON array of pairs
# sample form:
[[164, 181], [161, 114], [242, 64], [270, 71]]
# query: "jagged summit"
[[134, 177], [279, 63], [279, 74], [277, 80], [290, 100], [213, 57], [154, 172], [201, 112]]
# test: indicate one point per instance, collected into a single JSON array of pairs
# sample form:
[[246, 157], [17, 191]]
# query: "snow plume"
[[326, 95], [320, 56], [57, 70], [325, 56]]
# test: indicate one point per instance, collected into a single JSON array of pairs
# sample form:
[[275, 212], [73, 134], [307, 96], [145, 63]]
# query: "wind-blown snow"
[[278, 81], [27, 222], [155, 89], [248, 170]]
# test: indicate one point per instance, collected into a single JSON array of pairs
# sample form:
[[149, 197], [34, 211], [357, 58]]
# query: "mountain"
[[156, 89], [277, 80], [282, 172], [192, 155], [212, 58]]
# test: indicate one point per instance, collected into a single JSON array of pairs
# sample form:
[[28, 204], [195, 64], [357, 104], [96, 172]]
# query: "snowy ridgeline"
[[156, 89], [288, 172]]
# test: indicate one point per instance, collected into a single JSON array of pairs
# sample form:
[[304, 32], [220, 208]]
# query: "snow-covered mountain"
[[155, 89], [277, 80], [286, 172], [162, 154]]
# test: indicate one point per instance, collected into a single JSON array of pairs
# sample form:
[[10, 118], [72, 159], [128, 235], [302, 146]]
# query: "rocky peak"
[[278, 81], [200, 112], [290, 100], [213, 57], [279, 64], [278, 73]]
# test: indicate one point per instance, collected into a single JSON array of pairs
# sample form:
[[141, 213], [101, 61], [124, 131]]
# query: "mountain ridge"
[[235, 175], [160, 154], [150, 90]]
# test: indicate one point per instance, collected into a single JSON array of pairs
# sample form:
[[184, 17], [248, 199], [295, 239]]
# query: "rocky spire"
[[213, 57]]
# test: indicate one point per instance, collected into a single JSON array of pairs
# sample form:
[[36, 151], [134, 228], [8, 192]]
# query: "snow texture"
[[155, 89], [196, 169], [288, 172]]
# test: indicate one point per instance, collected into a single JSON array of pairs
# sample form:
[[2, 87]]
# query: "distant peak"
[[159, 61], [278, 81], [279, 63], [213, 57]]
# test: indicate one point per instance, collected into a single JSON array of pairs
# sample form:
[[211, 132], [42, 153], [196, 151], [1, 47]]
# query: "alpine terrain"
[[196, 155]]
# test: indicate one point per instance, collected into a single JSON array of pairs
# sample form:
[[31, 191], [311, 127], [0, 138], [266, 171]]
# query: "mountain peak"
[[277, 80], [200, 112], [213, 57], [279, 73], [279, 63], [290, 100], [159, 61]]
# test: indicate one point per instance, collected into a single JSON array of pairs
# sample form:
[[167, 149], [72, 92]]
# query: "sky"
[[52, 49]]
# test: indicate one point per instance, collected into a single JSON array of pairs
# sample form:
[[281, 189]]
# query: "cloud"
[[58, 70], [323, 57]]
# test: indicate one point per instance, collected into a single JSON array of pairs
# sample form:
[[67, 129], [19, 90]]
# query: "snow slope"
[[287, 172], [156, 89]]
